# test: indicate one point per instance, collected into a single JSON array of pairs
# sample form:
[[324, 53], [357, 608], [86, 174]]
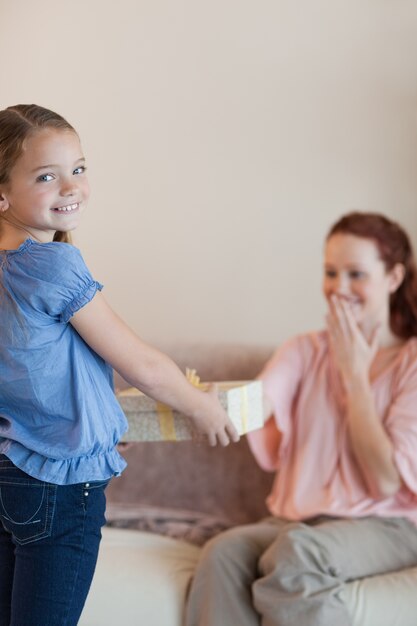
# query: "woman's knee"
[[298, 548], [233, 549]]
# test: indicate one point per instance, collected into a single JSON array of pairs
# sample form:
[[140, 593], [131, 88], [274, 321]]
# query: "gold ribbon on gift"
[[191, 376], [165, 414], [166, 422]]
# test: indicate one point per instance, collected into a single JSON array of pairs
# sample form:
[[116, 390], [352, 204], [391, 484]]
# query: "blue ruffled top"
[[59, 418]]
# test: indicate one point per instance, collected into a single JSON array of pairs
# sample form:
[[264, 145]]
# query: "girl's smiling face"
[[354, 272], [48, 186]]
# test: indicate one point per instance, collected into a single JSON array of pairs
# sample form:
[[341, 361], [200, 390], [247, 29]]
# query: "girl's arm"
[[370, 442], [149, 370]]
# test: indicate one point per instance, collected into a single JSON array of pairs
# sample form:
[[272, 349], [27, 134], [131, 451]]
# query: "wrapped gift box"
[[152, 421]]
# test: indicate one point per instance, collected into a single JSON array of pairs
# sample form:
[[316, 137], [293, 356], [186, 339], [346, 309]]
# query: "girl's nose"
[[68, 188]]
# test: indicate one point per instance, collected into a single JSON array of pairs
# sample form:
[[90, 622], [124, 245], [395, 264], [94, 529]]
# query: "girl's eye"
[[330, 274], [80, 170], [45, 178], [356, 275]]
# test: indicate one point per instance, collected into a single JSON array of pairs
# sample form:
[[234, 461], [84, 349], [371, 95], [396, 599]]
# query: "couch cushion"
[[386, 600], [142, 578]]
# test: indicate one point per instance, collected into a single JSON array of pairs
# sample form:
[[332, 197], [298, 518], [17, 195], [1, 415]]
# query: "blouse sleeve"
[[61, 281], [401, 425], [281, 377]]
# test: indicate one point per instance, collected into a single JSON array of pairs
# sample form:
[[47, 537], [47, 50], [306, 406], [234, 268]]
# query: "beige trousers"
[[281, 573]]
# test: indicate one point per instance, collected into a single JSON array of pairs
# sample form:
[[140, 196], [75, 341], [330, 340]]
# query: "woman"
[[341, 430]]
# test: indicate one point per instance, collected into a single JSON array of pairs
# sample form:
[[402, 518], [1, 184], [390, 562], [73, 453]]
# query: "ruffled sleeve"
[[54, 280], [80, 299]]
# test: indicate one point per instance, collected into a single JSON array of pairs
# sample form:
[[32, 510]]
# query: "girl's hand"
[[213, 421], [353, 353]]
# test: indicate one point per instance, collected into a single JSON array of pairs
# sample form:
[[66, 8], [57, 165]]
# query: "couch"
[[174, 496]]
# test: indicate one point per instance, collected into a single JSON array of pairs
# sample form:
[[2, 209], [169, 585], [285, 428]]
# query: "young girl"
[[59, 419], [342, 434]]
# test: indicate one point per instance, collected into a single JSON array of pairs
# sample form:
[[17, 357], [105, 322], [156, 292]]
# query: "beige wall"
[[223, 138]]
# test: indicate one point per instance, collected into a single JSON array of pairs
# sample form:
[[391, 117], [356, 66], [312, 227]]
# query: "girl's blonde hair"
[[17, 123]]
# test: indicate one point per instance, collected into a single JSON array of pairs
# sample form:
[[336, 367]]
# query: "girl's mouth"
[[66, 209]]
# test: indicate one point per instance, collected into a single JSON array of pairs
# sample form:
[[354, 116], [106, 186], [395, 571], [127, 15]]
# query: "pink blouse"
[[317, 472]]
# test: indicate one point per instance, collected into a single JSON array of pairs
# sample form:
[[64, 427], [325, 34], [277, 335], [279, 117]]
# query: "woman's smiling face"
[[354, 272]]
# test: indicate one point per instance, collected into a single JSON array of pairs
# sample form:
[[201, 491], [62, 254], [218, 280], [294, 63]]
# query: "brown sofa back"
[[224, 482]]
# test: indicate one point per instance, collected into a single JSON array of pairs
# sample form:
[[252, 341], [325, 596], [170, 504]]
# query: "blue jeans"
[[49, 541]]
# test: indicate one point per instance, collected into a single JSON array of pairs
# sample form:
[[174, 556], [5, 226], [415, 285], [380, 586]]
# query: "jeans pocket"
[[97, 484], [27, 508]]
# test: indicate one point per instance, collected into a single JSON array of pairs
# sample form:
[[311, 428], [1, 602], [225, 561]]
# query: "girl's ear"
[[397, 275], [4, 203]]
